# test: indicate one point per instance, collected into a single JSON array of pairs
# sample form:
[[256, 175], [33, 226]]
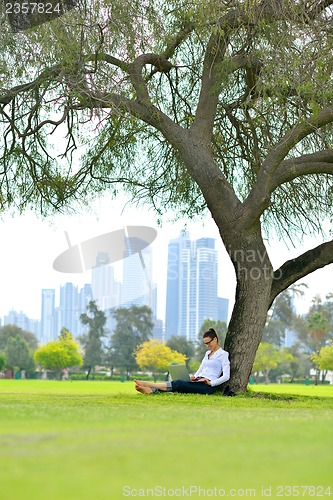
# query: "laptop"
[[179, 372]]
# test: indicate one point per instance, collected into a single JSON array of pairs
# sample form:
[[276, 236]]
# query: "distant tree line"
[[313, 346], [131, 347]]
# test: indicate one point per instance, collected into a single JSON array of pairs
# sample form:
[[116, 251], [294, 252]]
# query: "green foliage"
[[59, 355], [52, 356], [10, 331], [18, 354], [180, 344], [268, 358], [282, 316], [316, 328], [156, 356], [134, 325], [92, 341], [219, 105], [65, 335], [273, 74], [301, 364], [2, 361], [324, 360]]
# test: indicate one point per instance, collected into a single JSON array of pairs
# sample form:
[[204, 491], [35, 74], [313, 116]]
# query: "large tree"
[[221, 104], [18, 354], [61, 354], [92, 341], [268, 358], [134, 325], [11, 331], [315, 329]]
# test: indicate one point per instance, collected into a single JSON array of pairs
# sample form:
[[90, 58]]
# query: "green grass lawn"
[[102, 440], [320, 390]]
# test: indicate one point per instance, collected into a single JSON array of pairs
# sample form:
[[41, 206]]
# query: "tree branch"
[[210, 87], [177, 40], [143, 110], [317, 8], [316, 163], [294, 136], [295, 269], [8, 95], [103, 56], [266, 10], [135, 71], [259, 197]]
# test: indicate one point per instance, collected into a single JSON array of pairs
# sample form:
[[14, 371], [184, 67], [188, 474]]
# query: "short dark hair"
[[211, 333]]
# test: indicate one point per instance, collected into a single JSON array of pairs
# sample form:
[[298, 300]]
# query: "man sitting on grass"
[[213, 371]]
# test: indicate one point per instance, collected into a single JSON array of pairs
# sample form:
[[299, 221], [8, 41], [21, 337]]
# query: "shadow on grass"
[[273, 396]]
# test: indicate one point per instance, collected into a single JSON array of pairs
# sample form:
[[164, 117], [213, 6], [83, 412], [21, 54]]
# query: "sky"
[[29, 245]]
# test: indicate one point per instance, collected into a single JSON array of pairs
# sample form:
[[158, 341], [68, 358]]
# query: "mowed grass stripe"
[[78, 440]]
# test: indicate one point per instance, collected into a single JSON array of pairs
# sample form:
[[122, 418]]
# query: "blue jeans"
[[190, 387]]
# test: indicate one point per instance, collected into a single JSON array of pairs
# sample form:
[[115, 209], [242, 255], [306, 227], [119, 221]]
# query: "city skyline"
[[197, 267], [192, 286], [30, 245]]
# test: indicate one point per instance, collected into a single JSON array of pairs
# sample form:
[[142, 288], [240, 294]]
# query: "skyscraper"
[[48, 324], [21, 320], [173, 297], [106, 289], [137, 288], [18, 319], [191, 286], [69, 311]]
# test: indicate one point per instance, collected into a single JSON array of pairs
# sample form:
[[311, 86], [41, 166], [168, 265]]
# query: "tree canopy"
[[10, 331], [315, 329], [180, 344], [134, 326], [268, 358], [157, 356], [223, 105], [324, 359], [250, 78], [18, 354], [95, 319], [63, 353]]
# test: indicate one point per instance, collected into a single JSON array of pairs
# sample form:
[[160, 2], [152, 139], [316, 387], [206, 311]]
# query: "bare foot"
[[142, 383], [143, 389]]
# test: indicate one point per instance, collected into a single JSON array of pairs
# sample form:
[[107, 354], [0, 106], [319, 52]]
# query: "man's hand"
[[192, 377]]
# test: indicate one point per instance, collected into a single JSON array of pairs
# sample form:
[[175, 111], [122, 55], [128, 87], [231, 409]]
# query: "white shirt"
[[216, 368]]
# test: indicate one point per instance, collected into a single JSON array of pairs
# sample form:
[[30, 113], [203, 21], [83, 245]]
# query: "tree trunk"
[[254, 275], [317, 375], [323, 376]]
